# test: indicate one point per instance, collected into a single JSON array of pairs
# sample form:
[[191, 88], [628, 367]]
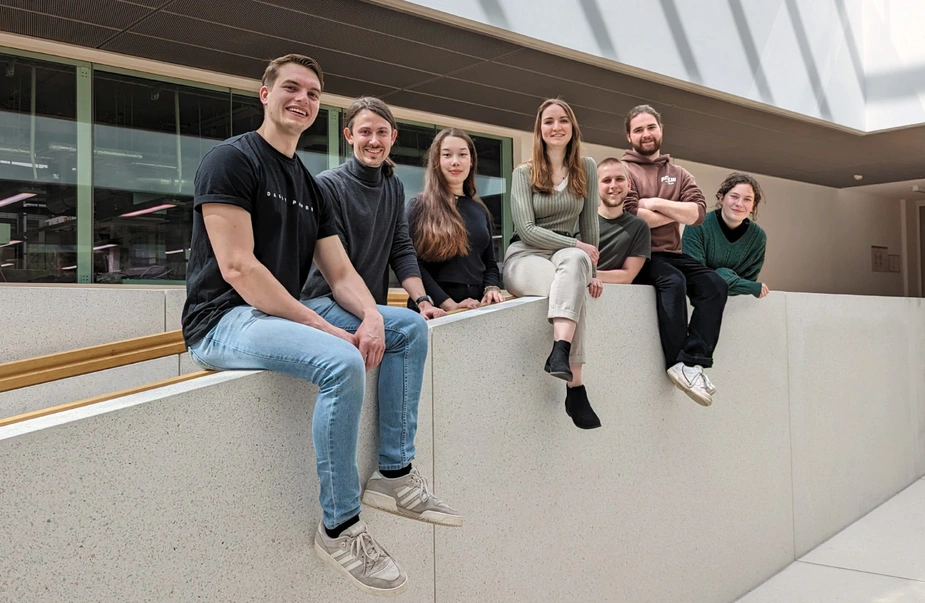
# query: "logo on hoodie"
[[669, 179]]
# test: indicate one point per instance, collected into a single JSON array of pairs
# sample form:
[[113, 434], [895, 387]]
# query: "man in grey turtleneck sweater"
[[369, 204], [369, 208]]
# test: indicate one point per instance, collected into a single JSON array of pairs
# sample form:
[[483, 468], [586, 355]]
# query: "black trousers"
[[674, 276]]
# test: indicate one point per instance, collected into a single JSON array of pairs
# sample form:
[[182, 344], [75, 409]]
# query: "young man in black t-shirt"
[[259, 222]]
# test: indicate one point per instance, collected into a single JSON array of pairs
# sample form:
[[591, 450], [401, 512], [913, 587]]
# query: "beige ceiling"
[[423, 64]]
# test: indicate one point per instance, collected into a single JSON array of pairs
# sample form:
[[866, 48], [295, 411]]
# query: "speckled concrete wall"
[[47, 320], [208, 489]]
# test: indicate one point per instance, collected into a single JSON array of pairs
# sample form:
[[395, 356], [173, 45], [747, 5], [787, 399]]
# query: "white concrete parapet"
[[207, 491]]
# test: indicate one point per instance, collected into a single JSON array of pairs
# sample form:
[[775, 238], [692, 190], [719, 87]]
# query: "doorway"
[[922, 250]]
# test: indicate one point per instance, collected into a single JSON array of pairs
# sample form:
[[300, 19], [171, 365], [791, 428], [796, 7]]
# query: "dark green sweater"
[[738, 263]]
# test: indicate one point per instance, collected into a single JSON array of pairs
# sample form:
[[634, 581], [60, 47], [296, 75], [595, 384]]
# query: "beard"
[[612, 203], [648, 148]]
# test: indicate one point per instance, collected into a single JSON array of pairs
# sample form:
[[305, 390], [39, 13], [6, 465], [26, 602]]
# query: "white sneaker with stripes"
[[362, 560], [409, 496]]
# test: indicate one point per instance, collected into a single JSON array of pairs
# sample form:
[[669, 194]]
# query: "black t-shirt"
[[288, 214]]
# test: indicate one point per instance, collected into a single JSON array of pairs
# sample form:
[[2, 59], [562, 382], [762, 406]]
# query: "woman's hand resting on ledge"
[[596, 287], [492, 296], [467, 304]]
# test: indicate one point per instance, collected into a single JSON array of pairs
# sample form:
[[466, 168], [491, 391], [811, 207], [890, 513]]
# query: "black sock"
[[337, 531], [392, 474]]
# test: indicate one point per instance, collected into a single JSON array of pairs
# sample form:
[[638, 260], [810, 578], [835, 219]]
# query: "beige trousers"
[[563, 275]]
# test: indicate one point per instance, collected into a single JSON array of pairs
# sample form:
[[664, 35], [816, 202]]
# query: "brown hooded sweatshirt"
[[660, 178]]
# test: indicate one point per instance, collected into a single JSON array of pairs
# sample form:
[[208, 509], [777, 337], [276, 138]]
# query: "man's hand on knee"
[[371, 341]]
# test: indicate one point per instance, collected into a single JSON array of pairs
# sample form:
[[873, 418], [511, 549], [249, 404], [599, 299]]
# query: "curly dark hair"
[[730, 183]]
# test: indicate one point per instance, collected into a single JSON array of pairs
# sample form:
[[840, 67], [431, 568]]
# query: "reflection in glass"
[[148, 139], [38, 171], [247, 115]]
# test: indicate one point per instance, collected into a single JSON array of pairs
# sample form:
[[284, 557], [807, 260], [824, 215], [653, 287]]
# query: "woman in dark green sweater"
[[728, 241]]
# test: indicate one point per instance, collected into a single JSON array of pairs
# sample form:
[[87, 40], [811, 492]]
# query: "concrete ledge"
[[207, 490]]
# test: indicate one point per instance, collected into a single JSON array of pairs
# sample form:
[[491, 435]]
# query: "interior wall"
[[819, 238]]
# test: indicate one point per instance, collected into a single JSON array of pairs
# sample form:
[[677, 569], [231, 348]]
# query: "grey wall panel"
[[852, 413], [47, 320], [668, 501]]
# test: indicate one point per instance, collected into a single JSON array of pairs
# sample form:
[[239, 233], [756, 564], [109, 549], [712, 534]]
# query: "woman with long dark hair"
[[550, 194], [451, 228]]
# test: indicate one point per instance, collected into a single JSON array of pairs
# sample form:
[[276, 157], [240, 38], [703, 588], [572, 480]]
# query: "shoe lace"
[[419, 482], [363, 546]]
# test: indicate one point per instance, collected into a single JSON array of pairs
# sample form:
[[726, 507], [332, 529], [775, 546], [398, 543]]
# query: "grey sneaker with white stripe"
[[362, 560], [409, 496]]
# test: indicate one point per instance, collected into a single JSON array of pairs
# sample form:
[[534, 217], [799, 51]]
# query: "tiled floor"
[[878, 559]]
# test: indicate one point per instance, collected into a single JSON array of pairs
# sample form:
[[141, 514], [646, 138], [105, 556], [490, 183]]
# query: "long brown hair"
[[434, 222], [541, 174], [377, 106]]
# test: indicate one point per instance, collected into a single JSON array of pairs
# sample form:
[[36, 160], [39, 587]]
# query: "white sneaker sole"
[[386, 503], [370, 590], [690, 393]]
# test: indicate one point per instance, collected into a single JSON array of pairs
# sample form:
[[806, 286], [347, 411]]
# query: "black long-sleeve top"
[[476, 268]]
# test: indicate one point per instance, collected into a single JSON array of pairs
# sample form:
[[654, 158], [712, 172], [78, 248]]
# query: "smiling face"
[[555, 126], [371, 137], [455, 162], [612, 184], [292, 102], [645, 134], [738, 204]]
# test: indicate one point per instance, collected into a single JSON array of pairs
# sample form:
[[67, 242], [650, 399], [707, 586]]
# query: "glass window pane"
[[247, 112], [148, 139], [491, 184], [38, 171]]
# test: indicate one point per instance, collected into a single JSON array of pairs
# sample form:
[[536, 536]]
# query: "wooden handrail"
[[52, 367], [96, 400]]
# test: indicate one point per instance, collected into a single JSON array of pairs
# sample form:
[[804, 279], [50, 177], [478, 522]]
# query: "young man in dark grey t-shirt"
[[625, 239]]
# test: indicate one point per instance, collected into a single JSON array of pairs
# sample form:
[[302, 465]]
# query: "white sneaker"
[[361, 560], [692, 382]]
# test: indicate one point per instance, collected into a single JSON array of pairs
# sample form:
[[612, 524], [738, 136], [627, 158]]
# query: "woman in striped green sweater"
[[728, 241], [550, 195]]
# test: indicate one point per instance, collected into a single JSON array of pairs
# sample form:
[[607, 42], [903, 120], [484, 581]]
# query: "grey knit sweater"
[[536, 215]]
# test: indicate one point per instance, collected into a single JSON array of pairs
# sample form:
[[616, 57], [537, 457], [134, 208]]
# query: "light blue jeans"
[[246, 338]]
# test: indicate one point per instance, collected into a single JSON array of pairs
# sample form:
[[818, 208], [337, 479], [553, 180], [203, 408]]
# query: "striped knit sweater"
[[536, 215]]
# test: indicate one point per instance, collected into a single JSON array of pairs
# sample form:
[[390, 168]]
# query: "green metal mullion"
[[507, 168], [333, 137], [84, 174]]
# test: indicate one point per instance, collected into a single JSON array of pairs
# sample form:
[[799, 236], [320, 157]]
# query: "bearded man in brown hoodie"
[[666, 195]]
